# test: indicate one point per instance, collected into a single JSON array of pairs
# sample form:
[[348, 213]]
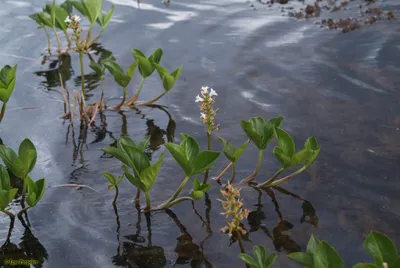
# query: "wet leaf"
[[285, 142], [8, 156], [259, 131], [149, 175], [229, 149], [131, 69], [7, 82], [98, 68], [143, 143], [205, 160], [191, 147], [139, 161], [21, 166], [46, 18], [24, 147], [133, 179], [179, 154], [381, 248], [119, 154], [325, 256]]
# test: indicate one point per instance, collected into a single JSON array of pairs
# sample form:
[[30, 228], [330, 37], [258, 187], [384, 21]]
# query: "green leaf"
[[249, 260], [119, 179], [168, 79], [312, 244], [205, 160], [177, 73], [239, 151], [7, 82], [139, 160], [11, 194], [40, 188], [285, 142], [229, 149], [146, 67], [67, 6], [196, 184], [260, 255], [143, 143], [61, 14], [191, 147], [104, 19], [197, 195], [271, 259], [302, 258], [325, 256], [98, 68], [79, 6], [8, 156], [31, 199], [4, 199], [179, 154], [396, 263], [119, 154], [125, 140], [122, 79], [156, 56], [4, 179], [93, 9], [37, 19], [131, 69], [24, 147], [110, 187], [53, 13], [381, 248], [46, 18], [148, 176], [312, 145], [110, 177], [133, 179], [254, 129], [112, 67], [366, 265], [205, 187], [21, 166], [282, 158]]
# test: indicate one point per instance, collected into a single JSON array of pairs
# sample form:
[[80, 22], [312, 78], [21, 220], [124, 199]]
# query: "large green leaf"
[[312, 244], [97, 67], [282, 157], [53, 13], [191, 147], [239, 151], [4, 200], [249, 260], [229, 149], [61, 15], [156, 56], [302, 258], [168, 79], [133, 179], [37, 19], [381, 248], [7, 82], [131, 69], [139, 160], [4, 179], [312, 145], [24, 147], [46, 18], [22, 165], [8, 156], [119, 154], [104, 19], [285, 141], [67, 6], [32, 190], [125, 140], [254, 129], [92, 9], [40, 188], [112, 67], [149, 175], [122, 79], [11, 194], [179, 154], [143, 143], [325, 256], [146, 67], [260, 254], [205, 160], [79, 6]]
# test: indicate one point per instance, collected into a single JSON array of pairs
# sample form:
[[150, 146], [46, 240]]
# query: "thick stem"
[[48, 39], [275, 183], [175, 195], [153, 100], [148, 204], [3, 111], [23, 193], [254, 174], [224, 171], [176, 201], [268, 182], [116, 195], [12, 216], [233, 173], [58, 40]]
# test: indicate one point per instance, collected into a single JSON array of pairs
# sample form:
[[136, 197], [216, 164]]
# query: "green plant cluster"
[[319, 254]]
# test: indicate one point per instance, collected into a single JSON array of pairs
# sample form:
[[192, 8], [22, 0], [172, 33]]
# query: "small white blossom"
[[68, 20], [76, 18], [203, 115], [204, 90], [199, 99], [213, 93]]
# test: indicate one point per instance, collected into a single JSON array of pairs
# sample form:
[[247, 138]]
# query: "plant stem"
[[224, 171], [176, 201], [58, 40], [22, 212], [254, 174], [123, 100], [209, 141], [12, 216], [89, 33], [99, 105], [275, 183], [233, 173], [268, 182], [68, 40], [175, 195], [239, 239], [148, 205], [137, 198], [48, 39], [23, 193], [140, 87], [83, 104], [3, 111], [116, 195], [153, 100]]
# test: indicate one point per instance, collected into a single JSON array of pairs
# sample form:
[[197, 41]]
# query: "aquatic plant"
[[113, 183], [8, 79], [7, 193], [261, 258], [21, 165], [319, 254]]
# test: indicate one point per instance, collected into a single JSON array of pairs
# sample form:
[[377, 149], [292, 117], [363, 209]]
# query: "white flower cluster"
[[73, 19], [204, 93]]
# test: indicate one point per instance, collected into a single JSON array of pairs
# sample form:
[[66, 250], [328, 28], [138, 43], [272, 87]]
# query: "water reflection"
[[280, 239], [29, 249], [59, 65]]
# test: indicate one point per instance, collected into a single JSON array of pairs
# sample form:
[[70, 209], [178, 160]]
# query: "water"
[[341, 88]]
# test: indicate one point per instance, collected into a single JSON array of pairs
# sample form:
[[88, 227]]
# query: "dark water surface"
[[341, 88]]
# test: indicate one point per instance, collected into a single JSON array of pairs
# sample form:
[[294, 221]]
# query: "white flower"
[[204, 90], [203, 115], [76, 18], [213, 93], [68, 20], [199, 99]]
